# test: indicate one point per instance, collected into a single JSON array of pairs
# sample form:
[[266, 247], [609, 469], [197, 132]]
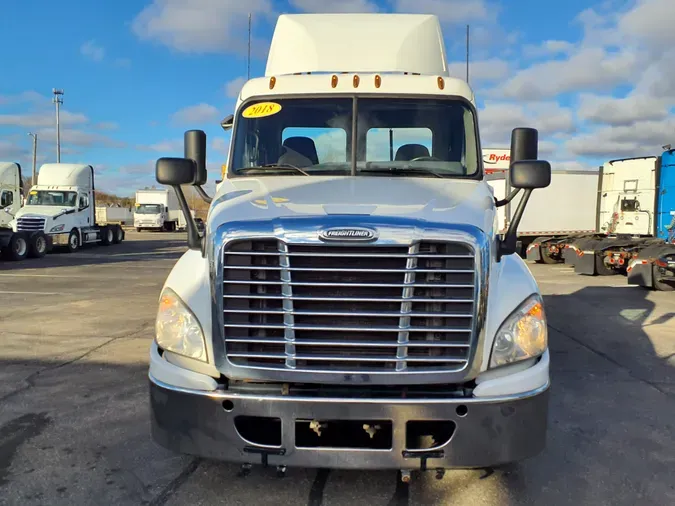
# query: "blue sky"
[[596, 78]]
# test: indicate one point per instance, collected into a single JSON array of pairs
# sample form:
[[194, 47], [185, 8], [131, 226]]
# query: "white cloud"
[[32, 97], [233, 87], [220, 145], [548, 48], [448, 11], [638, 139], [106, 125], [42, 119], [80, 138], [92, 51], [493, 69], [167, 147], [593, 69], [621, 111], [498, 119], [199, 25], [347, 6], [651, 22], [200, 113]]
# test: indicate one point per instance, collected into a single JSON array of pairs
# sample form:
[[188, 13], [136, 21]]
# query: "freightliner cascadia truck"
[[345, 308]]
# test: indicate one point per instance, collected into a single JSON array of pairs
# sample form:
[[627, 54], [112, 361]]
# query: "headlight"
[[523, 335], [58, 228], [177, 328]]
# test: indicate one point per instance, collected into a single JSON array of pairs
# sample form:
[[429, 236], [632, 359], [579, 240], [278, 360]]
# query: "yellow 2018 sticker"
[[261, 110]]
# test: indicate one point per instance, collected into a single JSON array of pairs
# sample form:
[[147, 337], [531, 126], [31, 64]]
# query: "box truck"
[[345, 308], [62, 206], [156, 209]]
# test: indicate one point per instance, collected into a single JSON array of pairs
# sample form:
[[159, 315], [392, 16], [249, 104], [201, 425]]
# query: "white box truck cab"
[[62, 205], [345, 307], [156, 209]]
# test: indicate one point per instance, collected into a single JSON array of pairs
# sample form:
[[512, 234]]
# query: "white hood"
[[42, 211], [426, 199]]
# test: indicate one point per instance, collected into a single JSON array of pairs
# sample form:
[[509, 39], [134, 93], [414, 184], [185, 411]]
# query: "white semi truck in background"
[[157, 209], [15, 245], [345, 307], [62, 206]]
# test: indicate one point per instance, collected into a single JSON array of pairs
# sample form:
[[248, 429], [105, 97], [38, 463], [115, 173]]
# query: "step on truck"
[[157, 209], [345, 308], [62, 206], [16, 245]]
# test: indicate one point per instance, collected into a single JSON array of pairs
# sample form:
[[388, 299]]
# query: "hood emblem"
[[348, 234]]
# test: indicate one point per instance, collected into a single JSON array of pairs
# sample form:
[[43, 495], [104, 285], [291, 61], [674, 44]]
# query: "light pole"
[[34, 136], [58, 100]]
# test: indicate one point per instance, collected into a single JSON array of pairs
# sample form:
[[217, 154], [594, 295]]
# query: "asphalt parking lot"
[[74, 426]]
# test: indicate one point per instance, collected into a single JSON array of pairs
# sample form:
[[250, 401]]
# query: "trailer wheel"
[[546, 257], [107, 236], [17, 249], [73, 241], [138, 229], [118, 234], [602, 268], [37, 245], [662, 283]]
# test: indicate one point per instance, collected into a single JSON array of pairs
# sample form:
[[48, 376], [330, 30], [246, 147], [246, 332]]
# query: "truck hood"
[[42, 211], [428, 199]]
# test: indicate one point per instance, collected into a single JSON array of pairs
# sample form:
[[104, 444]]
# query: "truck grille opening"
[[428, 435], [28, 224], [349, 309], [356, 434], [259, 430]]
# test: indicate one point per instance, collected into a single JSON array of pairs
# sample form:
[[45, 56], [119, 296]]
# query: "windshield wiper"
[[403, 170], [276, 166]]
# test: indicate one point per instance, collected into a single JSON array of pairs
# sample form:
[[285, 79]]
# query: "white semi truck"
[[62, 206], [157, 209], [16, 245], [345, 308]]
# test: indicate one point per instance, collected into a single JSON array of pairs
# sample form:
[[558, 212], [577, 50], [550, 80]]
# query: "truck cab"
[[156, 209], [62, 206], [10, 192], [343, 297]]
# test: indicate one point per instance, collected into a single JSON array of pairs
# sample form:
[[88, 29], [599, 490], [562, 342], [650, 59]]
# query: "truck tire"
[[659, 283], [37, 245], [118, 234], [73, 241], [546, 256], [107, 236], [17, 248], [138, 229], [601, 269]]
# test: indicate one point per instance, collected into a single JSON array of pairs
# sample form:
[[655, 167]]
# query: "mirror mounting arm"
[[509, 198], [205, 197], [507, 246], [193, 238]]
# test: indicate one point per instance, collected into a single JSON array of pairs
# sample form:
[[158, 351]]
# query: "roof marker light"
[[441, 83], [356, 81], [378, 81], [273, 81], [334, 81]]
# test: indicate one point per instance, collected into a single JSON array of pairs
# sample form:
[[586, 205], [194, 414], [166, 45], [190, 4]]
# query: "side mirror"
[[227, 123], [195, 149], [175, 171], [530, 174]]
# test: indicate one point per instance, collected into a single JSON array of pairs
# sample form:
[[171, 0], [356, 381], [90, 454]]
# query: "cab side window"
[[83, 202], [6, 198]]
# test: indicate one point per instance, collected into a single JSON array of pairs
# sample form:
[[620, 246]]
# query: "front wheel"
[[73, 241]]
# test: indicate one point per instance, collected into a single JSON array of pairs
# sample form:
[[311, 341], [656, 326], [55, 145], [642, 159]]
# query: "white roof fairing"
[[357, 43], [65, 174]]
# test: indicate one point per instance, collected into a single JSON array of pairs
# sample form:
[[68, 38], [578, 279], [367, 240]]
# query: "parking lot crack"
[[176, 483]]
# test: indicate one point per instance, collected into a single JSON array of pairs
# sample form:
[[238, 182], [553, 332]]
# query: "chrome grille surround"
[[30, 223], [298, 233]]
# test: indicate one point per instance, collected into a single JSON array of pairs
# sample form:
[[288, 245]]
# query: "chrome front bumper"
[[488, 431]]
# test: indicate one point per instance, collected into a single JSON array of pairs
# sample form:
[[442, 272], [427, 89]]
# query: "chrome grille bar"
[[338, 308]]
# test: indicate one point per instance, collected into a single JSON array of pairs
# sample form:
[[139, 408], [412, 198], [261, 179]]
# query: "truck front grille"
[[28, 224], [353, 309]]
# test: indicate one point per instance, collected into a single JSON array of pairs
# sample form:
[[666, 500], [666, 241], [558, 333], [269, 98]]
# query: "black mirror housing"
[[195, 149], [175, 171], [530, 174]]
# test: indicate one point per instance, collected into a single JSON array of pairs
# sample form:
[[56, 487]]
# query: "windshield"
[[52, 198], [313, 136], [149, 209]]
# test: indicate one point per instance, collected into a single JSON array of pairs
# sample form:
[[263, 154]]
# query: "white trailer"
[[62, 206], [156, 209], [118, 215]]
